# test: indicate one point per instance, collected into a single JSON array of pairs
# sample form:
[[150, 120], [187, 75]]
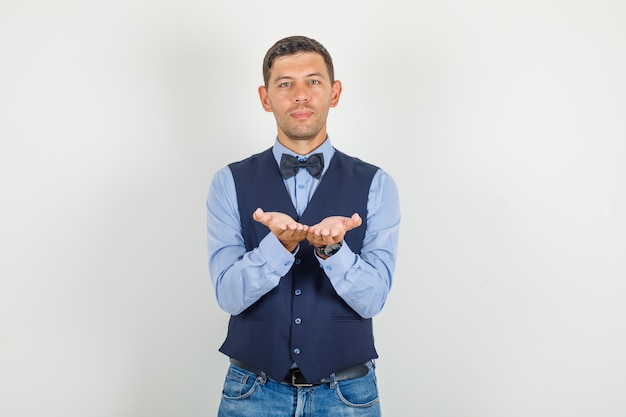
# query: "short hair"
[[292, 45]]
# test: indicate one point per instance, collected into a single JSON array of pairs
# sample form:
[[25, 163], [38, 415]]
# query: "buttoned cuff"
[[277, 257], [338, 264]]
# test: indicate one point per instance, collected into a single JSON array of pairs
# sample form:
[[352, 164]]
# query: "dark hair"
[[293, 45]]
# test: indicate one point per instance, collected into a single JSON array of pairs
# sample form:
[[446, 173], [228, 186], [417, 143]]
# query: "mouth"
[[302, 113]]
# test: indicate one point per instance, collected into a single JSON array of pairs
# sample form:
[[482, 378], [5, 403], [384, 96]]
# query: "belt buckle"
[[294, 377]]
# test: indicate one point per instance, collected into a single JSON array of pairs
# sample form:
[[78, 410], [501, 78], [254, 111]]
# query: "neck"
[[302, 146]]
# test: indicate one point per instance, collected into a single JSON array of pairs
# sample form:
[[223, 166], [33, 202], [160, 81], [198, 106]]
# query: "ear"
[[335, 93], [265, 101]]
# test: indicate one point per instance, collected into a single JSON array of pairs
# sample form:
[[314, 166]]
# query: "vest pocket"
[[346, 318], [251, 318]]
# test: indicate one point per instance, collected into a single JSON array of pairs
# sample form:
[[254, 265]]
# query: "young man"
[[302, 243]]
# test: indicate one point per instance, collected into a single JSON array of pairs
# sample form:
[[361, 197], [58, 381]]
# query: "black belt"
[[294, 376]]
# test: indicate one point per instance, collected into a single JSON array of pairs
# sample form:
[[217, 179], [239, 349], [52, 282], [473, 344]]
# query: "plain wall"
[[502, 122]]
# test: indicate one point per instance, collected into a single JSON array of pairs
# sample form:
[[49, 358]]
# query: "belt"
[[295, 378]]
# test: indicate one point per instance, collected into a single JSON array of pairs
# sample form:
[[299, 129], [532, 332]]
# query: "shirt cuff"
[[338, 264], [277, 257]]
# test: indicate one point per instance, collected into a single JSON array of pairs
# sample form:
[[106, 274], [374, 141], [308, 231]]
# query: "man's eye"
[[284, 84], [314, 82]]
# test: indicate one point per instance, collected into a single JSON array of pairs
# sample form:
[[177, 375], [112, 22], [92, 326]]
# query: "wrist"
[[328, 250]]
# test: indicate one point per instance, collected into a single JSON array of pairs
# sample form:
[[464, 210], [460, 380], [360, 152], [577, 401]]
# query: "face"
[[299, 93]]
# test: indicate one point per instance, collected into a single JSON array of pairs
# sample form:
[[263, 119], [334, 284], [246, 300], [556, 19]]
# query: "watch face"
[[331, 249]]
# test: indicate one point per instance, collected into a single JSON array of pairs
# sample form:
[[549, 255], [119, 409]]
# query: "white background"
[[503, 123]]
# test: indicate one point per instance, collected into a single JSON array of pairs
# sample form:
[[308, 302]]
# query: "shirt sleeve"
[[364, 280], [239, 277]]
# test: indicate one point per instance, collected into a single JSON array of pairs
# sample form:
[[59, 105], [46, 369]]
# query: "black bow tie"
[[289, 165]]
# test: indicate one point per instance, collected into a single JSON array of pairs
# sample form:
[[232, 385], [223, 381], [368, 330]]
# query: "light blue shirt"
[[240, 277]]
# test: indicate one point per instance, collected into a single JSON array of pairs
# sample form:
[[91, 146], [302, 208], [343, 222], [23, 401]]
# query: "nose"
[[300, 95]]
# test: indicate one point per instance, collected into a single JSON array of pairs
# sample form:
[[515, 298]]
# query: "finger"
[[260, 216], [294, 226]]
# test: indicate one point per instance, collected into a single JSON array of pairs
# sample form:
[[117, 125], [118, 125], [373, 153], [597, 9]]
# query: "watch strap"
[[328, 250]]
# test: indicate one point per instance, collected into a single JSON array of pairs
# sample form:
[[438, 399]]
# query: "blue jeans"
[[246, 394]]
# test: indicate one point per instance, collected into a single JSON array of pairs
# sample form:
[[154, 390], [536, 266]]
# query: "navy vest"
[[301, 320]]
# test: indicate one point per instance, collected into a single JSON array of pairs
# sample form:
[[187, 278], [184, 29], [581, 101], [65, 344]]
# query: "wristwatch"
[[329, 250]]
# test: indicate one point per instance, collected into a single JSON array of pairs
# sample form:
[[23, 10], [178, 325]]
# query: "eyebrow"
[[288, 77]]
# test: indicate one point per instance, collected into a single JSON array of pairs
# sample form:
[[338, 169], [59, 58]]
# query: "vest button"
[[298, 261], [296, 351], [298, 291], [298, 320]]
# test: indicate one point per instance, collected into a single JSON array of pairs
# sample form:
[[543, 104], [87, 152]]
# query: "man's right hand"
[[286, 229]]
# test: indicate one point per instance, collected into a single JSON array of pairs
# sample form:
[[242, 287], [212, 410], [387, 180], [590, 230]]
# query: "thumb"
[[258, 215], [356, 219]]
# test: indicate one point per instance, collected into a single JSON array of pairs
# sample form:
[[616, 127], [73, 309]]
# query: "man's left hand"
[[332, 229]]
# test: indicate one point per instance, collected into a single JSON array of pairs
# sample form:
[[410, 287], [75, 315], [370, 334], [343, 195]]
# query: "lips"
[[302, 113]]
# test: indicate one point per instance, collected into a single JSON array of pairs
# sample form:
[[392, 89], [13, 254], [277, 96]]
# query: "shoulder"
[[252, 160], [352, 159], [357, 163]]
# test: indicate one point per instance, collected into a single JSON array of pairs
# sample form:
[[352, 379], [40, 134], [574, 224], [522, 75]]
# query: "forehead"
[[299, 65]]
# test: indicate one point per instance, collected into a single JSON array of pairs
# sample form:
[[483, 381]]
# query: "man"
[[302, 243]]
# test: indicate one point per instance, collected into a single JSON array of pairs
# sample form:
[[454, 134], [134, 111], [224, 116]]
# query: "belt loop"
[[333, 383]]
